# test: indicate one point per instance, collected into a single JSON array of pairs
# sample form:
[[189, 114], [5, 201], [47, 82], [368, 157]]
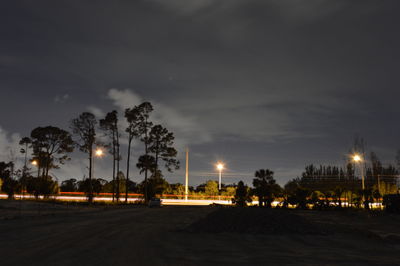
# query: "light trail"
[[77, 198], [164, 201]]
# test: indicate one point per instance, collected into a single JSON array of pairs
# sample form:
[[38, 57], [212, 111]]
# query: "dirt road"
[[143, 236]]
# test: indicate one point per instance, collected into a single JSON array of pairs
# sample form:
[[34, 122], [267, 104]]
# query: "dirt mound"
[[256, 221]]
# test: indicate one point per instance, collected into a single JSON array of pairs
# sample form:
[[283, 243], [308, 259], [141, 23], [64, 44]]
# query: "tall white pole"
[[362, 176], [187, 175], [220, 175]]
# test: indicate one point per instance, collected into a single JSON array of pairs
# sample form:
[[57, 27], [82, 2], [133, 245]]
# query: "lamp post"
[[358, 159], [97, 153], [187, 175], [220, 167], [36, 163]]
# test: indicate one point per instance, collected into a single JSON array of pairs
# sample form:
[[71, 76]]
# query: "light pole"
[[35, 163], [98, 153], [220, 167], [187, 175], [358, 159]]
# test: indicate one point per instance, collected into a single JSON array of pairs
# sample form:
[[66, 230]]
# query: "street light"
[[98, 153], [358, 159], [36, 163], [220, 167]]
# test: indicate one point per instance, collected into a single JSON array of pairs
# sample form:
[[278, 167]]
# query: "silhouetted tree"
[[242, 195], [337, 192], [146, 162], [25, 142], [316, 199], [69, 185], [144, 126], [110, 126], [132, 117], [160, 145], [368, 197], [94, 185], [289, 190], [5, 169], [41, 186], [8, 183], [51, 144], [157, 185], [84, 128], [265, 187], [10, 186]]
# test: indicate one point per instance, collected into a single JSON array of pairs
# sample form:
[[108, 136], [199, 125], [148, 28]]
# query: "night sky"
[[257, 84]]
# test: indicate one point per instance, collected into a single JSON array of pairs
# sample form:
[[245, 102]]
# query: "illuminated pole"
[[187, 175], [220, 167], [362, 177], [357, 158], [35, 163], [97, 153]]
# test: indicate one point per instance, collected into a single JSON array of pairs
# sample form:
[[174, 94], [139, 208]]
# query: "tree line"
[[323, 187], [50, 147]]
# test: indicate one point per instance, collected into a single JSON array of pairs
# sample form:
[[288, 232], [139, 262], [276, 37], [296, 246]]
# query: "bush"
[[10, 186], [392, 203], [242, 195]]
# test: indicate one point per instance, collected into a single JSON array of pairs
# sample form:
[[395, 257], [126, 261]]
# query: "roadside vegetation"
[[318, 187]]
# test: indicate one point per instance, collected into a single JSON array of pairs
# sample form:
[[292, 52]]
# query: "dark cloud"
[[273, 83]]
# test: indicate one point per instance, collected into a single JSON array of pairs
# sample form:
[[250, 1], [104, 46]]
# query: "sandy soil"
[[76, 235]]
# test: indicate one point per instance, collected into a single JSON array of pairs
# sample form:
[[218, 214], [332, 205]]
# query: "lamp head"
[[99, 152], [357, 158]]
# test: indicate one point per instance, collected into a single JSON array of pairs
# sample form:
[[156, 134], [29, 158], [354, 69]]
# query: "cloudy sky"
[[257, 84]]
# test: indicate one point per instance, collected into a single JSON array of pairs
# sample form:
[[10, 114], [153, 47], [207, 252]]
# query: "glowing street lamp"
[[36, 163], [99, 153], [358, 159], [220, 167]]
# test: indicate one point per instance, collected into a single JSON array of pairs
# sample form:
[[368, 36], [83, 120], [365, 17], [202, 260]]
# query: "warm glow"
[[357, 158], [34, 163], [220, 166], [99, 153]]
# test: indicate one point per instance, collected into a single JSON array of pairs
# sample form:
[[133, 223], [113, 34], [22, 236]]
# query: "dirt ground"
[[34, 233]]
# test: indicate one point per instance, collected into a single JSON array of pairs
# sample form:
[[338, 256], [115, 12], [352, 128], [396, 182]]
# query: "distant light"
[[99, 152], [220, 166], [357, 158], [34, 163]]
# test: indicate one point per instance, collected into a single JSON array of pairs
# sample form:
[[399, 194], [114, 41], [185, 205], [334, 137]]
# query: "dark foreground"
[[74, 235]]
